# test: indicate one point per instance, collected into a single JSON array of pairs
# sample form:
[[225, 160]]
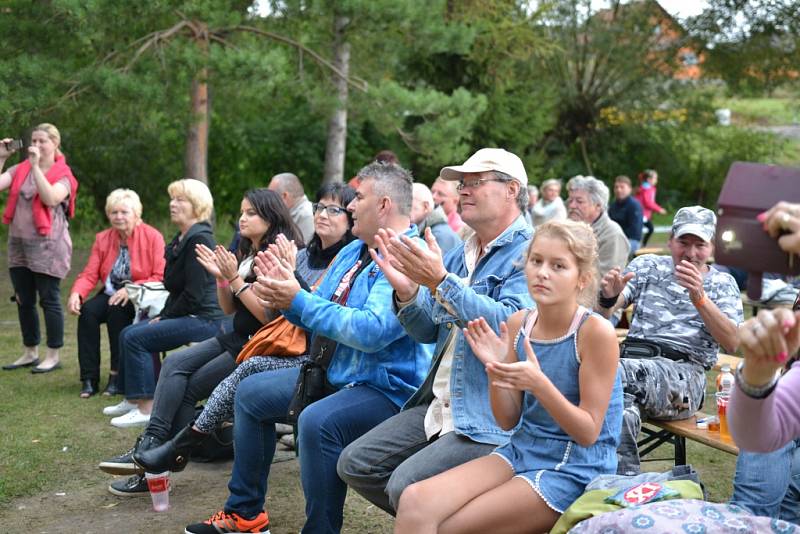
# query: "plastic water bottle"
[[725, 379]]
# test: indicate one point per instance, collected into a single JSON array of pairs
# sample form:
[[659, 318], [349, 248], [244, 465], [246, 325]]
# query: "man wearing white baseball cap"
[[448, 421]]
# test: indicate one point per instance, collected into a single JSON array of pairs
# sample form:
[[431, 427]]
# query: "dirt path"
[[86, 507]]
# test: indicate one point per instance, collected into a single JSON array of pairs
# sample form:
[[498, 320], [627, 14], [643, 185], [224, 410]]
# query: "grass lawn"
[[762, 111], [52, 441]]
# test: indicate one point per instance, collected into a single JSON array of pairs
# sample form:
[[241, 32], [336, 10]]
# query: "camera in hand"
[[14, 145], [750, 189]]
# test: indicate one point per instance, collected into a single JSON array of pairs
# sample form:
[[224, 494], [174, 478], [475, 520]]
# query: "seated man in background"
[[290, 189], [587, 202], [427, 215], [684, 310], [445, 196]]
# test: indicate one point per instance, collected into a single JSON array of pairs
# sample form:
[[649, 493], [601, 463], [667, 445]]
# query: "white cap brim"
[[694, 229]]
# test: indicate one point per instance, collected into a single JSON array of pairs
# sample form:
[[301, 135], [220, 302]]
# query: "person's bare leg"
[[29, 354], [511, 508], [52, 357], [425, 505], [145, 405]]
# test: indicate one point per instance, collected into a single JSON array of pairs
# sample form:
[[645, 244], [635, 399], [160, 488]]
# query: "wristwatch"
[[754, 392]]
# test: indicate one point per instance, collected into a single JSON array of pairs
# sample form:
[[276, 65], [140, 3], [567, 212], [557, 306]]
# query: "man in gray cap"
[[449, 420], [684, 310]]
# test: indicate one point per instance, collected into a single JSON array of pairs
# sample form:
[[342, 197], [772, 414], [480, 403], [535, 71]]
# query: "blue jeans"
[[139, 341], [324, 429], [769, 484], [635, 245]]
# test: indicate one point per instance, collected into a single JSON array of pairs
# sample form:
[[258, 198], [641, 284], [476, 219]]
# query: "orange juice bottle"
[[722, 413]]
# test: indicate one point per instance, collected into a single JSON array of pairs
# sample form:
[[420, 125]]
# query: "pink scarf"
[[42, 215]]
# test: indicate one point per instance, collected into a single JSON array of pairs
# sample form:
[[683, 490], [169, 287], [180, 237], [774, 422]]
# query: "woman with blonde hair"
[[549, 207], [554, 379], [129, 251], [41, 198], [191, 313]]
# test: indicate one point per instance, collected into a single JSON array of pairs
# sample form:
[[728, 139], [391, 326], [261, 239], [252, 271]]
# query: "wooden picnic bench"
[[658, 432]]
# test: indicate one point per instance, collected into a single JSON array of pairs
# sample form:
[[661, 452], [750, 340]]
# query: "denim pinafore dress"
[[539, 451]]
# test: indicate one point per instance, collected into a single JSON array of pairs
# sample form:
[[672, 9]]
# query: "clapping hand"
[[207, 258], [226, 262], [521, 375], [423, 266], [285, 249], [485, 344], [276, 285], [403, 285]]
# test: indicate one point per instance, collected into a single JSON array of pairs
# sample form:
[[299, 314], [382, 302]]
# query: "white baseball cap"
[[489, 159]]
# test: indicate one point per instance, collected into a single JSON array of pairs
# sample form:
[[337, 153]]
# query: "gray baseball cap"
[[695, 220]]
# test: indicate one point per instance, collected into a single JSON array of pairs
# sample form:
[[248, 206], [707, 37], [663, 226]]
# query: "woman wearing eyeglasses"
[[332, 224]]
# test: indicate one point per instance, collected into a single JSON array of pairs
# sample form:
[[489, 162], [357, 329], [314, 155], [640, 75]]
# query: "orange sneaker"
[[231, 523]]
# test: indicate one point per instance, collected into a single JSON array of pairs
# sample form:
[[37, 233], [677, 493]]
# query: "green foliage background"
[[443, 78]]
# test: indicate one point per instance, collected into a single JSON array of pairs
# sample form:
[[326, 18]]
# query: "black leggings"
[[26, 285], [648, 224]]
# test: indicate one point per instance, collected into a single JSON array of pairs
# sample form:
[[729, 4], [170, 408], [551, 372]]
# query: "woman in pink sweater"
[[646, 195], [765, 409], [129, 251]]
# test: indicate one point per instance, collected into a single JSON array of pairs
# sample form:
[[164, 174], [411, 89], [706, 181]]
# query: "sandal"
[[112, 388], [90, 388]]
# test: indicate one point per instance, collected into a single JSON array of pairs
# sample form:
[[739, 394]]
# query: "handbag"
[[278, 337], [148, 299], [312, 381]]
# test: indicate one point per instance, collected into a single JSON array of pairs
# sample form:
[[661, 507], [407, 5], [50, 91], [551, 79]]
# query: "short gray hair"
[[597, 190], [391, 180], [522, 194]]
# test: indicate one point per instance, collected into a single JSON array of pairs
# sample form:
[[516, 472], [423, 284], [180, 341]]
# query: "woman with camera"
[[41, 198], [129, 251]]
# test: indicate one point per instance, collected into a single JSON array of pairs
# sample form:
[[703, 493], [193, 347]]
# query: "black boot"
[[173, 455], [112, 388]]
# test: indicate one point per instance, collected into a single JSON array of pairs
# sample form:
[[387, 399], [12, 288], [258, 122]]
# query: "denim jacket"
[[373, 348], [498, 290]]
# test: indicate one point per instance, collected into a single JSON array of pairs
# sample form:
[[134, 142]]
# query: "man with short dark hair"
[[449, 420], [684, 311], [627, 212], [374, 368]]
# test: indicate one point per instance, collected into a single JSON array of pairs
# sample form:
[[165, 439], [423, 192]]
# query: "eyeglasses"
[[477, 183], [331, 210]]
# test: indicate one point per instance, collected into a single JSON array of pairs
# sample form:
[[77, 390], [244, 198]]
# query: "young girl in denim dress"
[[554, 380]]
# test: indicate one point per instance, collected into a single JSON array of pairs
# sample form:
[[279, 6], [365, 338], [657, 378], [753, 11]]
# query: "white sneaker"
[[119, 409], [132, 418]]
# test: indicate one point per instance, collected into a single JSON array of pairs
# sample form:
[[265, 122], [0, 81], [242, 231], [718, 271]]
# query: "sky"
[[683, 8]]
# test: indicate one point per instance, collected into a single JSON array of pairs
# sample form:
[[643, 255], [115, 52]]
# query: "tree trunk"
[[337, 125], [196, 163]]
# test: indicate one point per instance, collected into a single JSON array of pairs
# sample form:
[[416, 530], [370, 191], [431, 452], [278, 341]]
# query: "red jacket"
[[146, 248], [647, 198]]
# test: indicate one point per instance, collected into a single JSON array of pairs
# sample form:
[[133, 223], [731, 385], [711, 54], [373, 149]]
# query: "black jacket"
[[192, 290]]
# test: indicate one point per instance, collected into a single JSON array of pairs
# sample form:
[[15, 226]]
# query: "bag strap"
[[322, 348]]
